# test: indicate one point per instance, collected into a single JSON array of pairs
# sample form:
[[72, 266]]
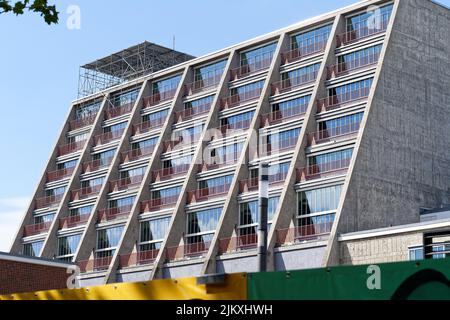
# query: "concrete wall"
[[298, 258]]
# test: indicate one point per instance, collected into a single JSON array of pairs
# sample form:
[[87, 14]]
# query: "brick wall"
[[16, 277], [392, 248]]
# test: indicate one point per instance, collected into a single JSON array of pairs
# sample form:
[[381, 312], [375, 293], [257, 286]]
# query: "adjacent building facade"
[[157, 177]]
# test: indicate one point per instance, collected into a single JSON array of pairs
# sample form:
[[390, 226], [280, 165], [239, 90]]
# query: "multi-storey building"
[[158, 176]]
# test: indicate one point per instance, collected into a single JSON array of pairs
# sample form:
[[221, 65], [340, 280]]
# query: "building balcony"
[[207, 193], [302, 233], [82, 122], [158, 98], [48, 201], [191, 113], [114, 112], [353, 36], [169, 173], [97, 264], [191, 250], [341, 100], [59, 174], [126, 183], [86, 192], [252, 184], [303, 52], [279, 116], [112, 214], [136, 154], [251, 68], [288, 85], [239, 99], [333, 134], [269, 149], [219, 162], [324, 170], [201, 85], [96, 165], [159, 204], [108, 137], [38, 228], [138, 258], [147, 126], [231, 129], [345, 68], [71, 148], [73, 221], [181, 141], [239, 243]]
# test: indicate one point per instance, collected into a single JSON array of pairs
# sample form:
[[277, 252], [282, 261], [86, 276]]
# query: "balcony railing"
[[323, 170], [126, 183], [48, 201], [267, 149], [201, 85], [251, 68], [219, 162], [159, 204], [347, 67], [113, 112], [59, 174], [240, 243], [230, 129], [303, 52], [136, 154], [293, 83], [335, 133], [146, 126], [181, 141], [97, 264], [190, 250], [158, 98], [207, 193], [240, 98], [98, 164], [108, 137], [340, 100], [379, 27], [138, 258], [252, 184], [302, 233], [190, 113], [114, 213], [282, 115], [38, 228], [168, 173], [85, 192], [82, 122], [73, 221], [71, 147]]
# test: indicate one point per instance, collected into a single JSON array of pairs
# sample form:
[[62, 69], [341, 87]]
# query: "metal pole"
[[262, 226]]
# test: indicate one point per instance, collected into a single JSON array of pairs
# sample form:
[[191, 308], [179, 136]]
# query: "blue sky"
[[40, 64]]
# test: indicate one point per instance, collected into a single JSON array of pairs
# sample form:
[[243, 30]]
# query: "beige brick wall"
[[392, 248]]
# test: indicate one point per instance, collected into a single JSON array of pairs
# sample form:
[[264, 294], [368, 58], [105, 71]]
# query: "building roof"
[[34, 260]]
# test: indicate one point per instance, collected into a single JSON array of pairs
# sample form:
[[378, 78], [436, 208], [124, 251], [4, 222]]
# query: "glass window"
[[291, 107], [319, 200], [109, 238], [92, 183], [283, 139], [133, 173], [166, 193], [416, 253], [81, 211], [55, 191], [122, 202], [78, 138], [104, 157], [239, 121], [175, 162], [199, 105], [154, 230], [360, 58], [227, 153], [155, 116], [44, 218], [309, 41], [33, 249], [203, 221], [361, 86], [213, 70], [299, 76], [66, 165], [125, 98], [257, 55], [327, 161], [68, 245], [85, 111], [246, 90], [351, 121], [188, 135], [249, 211], [375, 19], [115, 127], [149, 143], [215, 183], [166, 85]]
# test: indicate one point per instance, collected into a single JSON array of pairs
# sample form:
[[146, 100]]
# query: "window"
[[358, 58], [375, 19], [275, 171], [248, 90], [345, 124], [322, 200], [166, 195], [125, 98], [155, 116], [240, 121], [115, 127], [249, 215], [85, 111], [120, 203], [282, 140], [189, 135], [176, 162], [330, 161], [256, 56], [352, 90], [86, 210], [152, 233], [416, 253], [44, 218], [107, 241], [92, 183], [299, 76], [104, 158], [78, 138], [227, 153], [66, 165], [67, 246], [199, 105], [201, 225], [33, 249], [165, 85], [311, 41], [133, 173], [149, 143], [215, 184], [213, 70], [55, 192], [291, 107]]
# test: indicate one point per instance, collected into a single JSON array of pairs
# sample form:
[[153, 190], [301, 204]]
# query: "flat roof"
[[34, 260]]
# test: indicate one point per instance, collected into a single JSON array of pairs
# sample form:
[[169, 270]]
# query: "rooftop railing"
[[146, 126], [82, 122], [303, 52], [207, 193], [136, 154], [114, 213], [293, 83], [319, 171], [240, 98], [108, 137], [158, 98], [73, 221], [126, 183], [38, 228], [97, 264], [98, 164], [48, 201], [202, 85], [138, 258], [59, 174], [302, 233], [282, 115], [335, 133], [341, 100], [71, 147], [251, 68], [239, 243], [159, 204], [117, 111], [85, 192]]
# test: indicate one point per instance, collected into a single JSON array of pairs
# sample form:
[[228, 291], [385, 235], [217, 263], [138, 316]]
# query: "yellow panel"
[[235, 288]]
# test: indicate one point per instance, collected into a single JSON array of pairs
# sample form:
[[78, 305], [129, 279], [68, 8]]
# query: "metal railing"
[[71, 147], [363, 32], [323, 170], [48, 201], [239, 243], [207, 193], [97, 264], [302, 233], [82, 122], [114, 213], [287, 85], [73, 221], [251, 68], [340, 100], [281, 115], [158, 204], [95, 165], [136, 154], [59, 174], [138, 258], [267, 149], [190, 113], [125, 183], [107, 137], [85, 192], [201, 85], [168, 173], [335, 133], [38, 228], [347, 67], [219, 161], [113, 112], [146, 126], [303, 52], [230, 129], [252, 184], [158, 98], [190, 250], [237, 99]]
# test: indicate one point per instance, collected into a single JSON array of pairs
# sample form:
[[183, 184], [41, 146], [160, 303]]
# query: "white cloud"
[[11, 214]]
